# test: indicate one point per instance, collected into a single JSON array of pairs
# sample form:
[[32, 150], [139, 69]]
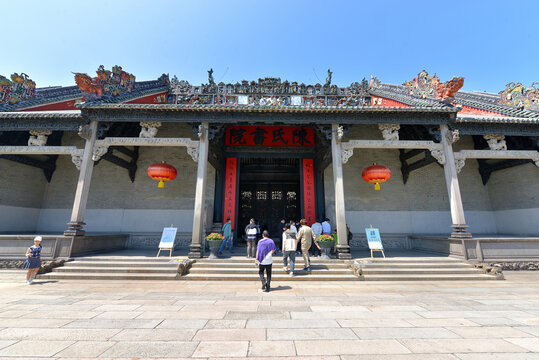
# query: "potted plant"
[[326, 242], [214, 241]]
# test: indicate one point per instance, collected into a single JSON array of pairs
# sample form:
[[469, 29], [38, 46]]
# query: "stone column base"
[[75, 229], [195, 251], [460, 232], [343, 252]]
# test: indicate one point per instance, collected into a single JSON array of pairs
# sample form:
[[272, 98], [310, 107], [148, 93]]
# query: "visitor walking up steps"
[[289, 248], [250, 232], [227, 233], [264, 259], [305, 237]]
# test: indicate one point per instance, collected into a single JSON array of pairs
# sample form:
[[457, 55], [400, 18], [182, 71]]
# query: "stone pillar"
[[89, 132], [460, 229], [343, 249], [200, 193]]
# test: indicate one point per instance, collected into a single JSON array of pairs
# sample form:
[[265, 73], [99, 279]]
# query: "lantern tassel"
[[161, 184], [376, 186]]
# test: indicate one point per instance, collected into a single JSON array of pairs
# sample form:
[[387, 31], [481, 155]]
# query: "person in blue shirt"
[[227, 233]]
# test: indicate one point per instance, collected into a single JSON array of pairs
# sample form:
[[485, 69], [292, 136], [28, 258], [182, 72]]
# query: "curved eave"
[[269, 109], [67, 114], [496, 119]]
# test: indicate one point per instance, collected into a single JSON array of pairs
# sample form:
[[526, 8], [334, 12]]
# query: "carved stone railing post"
[[200, 192], [460, 229], [89, 132], [343, 249]]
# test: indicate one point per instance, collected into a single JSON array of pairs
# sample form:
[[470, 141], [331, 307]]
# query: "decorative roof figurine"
[[106, 83], [19, 88], [328, 78], [211, 81], [425, 86], [516, 95]]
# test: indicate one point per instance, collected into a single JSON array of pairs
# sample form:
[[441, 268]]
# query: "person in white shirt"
[[289, 249], [293, 227], [326, 227]]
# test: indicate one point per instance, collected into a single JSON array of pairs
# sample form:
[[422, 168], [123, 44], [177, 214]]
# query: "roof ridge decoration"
[[521, 97], [107, 84], [425, 86], [271, 91], [19, 88]]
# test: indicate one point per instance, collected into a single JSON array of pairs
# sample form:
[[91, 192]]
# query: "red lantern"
[[376, 174], [162, 172]]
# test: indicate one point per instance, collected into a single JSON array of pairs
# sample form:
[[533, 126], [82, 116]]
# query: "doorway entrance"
[[269, 191]]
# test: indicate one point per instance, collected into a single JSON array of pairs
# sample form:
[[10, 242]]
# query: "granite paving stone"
[[182, 324], [6, 343], [29, 348], [27, 323], [225, 324], [61, 314], [291, 324], [404, 333], [441, 322], [155, 335], [349, 347], [118, 315], [254, 315], [460, 345], [116, 308], [57, 334], [379, 323], [183, 315], [532, 330], [354, 315], [88, 349], [273, 348], [150, 349], [488, 332], [532, 344], [230, 334], [311, 334], [401, 357], [221, 349], [114, 324], [498, 356]]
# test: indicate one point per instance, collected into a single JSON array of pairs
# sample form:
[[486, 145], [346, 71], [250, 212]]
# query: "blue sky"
[[490, 43]]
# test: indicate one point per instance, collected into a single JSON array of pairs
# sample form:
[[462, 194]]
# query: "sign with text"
[[373, 238], [229, 211], [167, 238], [309, 208], [298, 136]]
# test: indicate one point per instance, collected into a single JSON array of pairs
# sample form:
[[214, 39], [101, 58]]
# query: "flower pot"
[[214, 248], [326, 248]]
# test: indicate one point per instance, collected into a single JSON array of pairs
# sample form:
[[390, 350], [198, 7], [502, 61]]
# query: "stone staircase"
[[239, 268], [419, 269], [245, 269], [114, 268]]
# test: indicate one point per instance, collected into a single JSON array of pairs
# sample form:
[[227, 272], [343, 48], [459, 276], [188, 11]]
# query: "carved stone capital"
[[459, 164], [202, 131], [346, 154], [390, 131], [439, 156], [453, 136], [149, 129], [85, 132], [496, 141], [38, 137]]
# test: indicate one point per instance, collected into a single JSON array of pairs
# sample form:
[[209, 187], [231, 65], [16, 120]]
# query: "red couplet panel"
[[308, 191], [230, 191], [298, 136]]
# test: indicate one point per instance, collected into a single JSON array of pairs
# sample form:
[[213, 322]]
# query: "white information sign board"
[[167, 239], [374, 240]]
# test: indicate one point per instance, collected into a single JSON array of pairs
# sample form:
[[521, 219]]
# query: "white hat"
[[38, 238]]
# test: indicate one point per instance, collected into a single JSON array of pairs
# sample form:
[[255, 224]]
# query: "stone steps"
[[107, 276], [429, 277], [111, 269]]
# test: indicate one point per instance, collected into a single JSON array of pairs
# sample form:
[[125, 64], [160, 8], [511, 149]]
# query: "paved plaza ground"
[[345, 320]]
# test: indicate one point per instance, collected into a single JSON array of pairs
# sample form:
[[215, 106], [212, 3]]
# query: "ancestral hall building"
[[73, 161]]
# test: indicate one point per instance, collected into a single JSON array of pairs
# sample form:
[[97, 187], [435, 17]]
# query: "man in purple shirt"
[[265, 249]]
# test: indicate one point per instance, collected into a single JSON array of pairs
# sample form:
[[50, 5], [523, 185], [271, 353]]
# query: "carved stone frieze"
[[390, 131], [453, 136], [99, 151], [495, 141], [347, 154], [149, 129], [38, 137], [439, 156]]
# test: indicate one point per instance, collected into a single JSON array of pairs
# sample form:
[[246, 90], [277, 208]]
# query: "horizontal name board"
[[298, 136]]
